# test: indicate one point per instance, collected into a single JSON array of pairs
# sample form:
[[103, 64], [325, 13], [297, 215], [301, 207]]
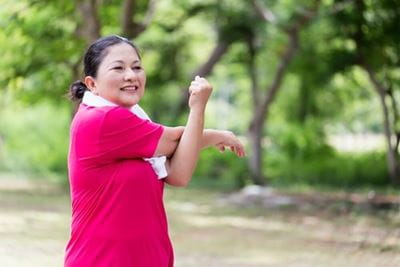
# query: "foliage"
[[222, 170], [299, 154], [35, 140], [337, 170], [39, 55], [324, 91]]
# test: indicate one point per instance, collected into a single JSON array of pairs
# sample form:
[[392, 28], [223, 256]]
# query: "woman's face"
[[120, 78]]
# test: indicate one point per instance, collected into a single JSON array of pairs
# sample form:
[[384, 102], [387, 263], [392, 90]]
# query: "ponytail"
[[77, 90]]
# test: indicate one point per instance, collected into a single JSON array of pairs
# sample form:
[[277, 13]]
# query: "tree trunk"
[[220, 49], [129, 27], [262, 105], [90, 27], [392, 154], [255, 135], [255, 131], [396, 117], [89, 31]]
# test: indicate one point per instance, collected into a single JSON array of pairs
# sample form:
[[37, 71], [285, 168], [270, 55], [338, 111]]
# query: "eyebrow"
[[121, 61]]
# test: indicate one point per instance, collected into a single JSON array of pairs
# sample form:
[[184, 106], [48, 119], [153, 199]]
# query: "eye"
[[117, 68], [137, 68]]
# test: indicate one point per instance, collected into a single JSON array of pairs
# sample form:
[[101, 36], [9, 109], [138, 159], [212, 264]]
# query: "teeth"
[[130, 88]]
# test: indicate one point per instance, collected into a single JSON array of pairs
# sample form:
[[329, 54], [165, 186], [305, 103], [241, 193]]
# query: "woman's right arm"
[[184, 158], [183, 162]]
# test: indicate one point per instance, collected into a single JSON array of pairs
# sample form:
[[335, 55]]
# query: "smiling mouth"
[[131, 88]]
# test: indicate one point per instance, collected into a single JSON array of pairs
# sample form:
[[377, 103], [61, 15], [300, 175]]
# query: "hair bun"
[[77, 90]]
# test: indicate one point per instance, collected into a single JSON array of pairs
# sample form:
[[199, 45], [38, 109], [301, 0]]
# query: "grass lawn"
[[34, 227]]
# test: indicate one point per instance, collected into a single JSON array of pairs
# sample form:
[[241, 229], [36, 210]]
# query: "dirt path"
[[34, 225]]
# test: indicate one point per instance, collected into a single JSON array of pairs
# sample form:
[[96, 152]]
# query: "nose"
[[130, 75]]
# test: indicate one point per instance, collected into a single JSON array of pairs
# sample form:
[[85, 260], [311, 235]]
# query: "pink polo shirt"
[[118, 216]]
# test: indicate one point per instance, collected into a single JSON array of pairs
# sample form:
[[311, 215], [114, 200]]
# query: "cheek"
[[143, 78], [112, 82]]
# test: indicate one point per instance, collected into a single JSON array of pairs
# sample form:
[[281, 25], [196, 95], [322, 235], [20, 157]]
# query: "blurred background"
[[311, 87]]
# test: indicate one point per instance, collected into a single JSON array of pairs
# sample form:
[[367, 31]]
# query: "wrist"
[[198, 109], [213, 137]]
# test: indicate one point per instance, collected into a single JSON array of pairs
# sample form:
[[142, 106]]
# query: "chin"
[[130, 103]]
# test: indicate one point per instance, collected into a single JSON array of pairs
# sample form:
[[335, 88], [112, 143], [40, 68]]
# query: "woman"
[[118, 216]]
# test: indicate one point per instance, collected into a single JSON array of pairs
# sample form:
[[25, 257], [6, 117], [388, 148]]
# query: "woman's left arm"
[[211, 137], [218, 138], [169, 141], [222, 139]]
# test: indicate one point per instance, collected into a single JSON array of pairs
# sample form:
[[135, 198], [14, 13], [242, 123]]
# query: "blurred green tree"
[[372, 28]]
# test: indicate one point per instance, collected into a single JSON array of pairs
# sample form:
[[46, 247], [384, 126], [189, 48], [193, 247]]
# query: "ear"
[[91, 84]]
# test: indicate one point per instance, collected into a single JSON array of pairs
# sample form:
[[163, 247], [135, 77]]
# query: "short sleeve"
[[124, 135]]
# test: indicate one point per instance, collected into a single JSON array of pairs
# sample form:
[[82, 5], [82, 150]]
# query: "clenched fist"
[[199, 92]]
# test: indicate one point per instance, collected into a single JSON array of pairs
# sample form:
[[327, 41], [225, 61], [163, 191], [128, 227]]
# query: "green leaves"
[[38, 49]]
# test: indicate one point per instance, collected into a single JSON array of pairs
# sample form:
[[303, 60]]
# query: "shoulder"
[[88, 113], [120, 117], [119, 114], [117, 111], [93, 117]]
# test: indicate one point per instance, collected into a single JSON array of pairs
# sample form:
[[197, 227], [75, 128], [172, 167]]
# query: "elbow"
[[185, 182], [178, 182], [182, 184]]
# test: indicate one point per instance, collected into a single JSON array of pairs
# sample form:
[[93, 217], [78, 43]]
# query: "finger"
[[243, 152], [241, 149], [202, 81], [240, 152], [193, 89]]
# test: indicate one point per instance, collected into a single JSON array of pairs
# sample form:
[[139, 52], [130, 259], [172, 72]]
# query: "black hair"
[[93, 57]]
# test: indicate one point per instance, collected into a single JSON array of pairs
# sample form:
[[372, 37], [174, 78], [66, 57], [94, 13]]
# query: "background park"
[[310, 86]]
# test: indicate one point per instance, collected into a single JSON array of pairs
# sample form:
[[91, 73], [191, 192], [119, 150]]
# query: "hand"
[[200, 90], [230, 140]]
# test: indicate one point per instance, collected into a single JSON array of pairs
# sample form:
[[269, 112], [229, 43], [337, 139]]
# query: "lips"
[[130, 88]]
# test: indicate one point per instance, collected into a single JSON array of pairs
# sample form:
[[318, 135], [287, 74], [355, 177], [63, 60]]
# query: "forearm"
[[171, 138], [210, 137], [183, 162]]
